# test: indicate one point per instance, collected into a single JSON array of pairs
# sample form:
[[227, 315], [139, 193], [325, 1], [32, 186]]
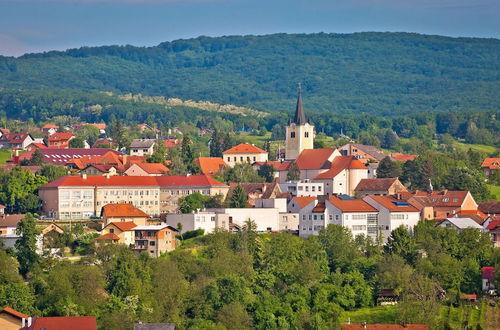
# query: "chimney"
[[124, 159], [30, 320], [364, 325], [107, 175], [84, 176]]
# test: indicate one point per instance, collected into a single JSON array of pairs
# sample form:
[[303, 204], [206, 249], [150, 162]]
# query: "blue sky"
[[41, 25]]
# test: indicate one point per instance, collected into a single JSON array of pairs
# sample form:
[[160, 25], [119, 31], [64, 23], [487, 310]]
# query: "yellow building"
[[11, 319], [299, 133], [244, 153], [118, 232]]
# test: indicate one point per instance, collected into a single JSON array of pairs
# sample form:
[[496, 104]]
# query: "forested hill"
[[380, 73]]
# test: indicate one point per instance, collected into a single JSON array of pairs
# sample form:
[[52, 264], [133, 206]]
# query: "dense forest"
[[379, 73]]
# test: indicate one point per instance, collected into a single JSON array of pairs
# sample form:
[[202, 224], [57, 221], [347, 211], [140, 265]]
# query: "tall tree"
[[238, 198], [401, 243], [293, 172], [26, 244], [267, 172], [117, 132], [388, 169]]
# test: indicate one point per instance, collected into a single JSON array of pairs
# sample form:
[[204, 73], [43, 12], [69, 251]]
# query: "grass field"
[[4, 156], [477, 147], [495, 190], [378, 314]]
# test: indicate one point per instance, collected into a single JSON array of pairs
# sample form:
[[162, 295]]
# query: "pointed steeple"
[[300, 118]]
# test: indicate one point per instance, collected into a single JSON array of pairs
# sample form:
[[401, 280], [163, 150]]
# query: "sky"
[[28, 26]]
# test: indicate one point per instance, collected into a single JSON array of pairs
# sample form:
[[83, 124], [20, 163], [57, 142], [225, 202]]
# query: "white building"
[[244, 153], [303, 188], [266, 219], [208, 221], [393, 213], [142, 147], [460, 224]]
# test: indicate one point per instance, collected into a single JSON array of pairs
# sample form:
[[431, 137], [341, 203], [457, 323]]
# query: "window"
[[152, 243], [112, 231], [64, 195], [241, 158], [313, 188], [358, 216], [254, 159], [336, 216], [64, 204], [397, 216], [228, 159], [306, 134], [248, 158], [76, 195], [292, 135], [319, 188], [331, 217], [358, 227]]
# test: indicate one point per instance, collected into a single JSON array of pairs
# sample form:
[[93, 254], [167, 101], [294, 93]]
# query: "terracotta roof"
[[278, 166], [210, 165], [10, 220], [493, 224], [103, 141], [59, 156], [491, 163], [351, 205], [171, 143], [245, 148], [14, 138], [488, 273], [314, 159], [393, 204], [61, 136], [110, 236], [32, 168], [491, 207], [319, 208], [4, 130], [153, 168], [384, 327], [123, 225], [375, 184], [303, 201], [64, 323], [471, 296], [402, 158], [443, 198], [50, 126], [339, 164], [370, 150], [122, 210], [39, 145], [13, 312]]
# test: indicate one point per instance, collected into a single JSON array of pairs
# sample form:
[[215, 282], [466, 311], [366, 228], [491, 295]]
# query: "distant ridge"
[[380, 73]]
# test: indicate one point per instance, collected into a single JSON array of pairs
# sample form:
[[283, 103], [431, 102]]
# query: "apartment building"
[[208, 221], [303, 188], [154, 240]]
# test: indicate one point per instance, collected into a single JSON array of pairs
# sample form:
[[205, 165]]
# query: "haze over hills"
[[380, 73]]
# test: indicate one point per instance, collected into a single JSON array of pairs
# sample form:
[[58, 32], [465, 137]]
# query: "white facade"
[[208, 221], [344, 183], [288, 221], [298, 138], [232, 159], [266, 219], [303, 188], [269, 203]]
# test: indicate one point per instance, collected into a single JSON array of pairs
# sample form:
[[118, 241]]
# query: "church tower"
[[299, 133]]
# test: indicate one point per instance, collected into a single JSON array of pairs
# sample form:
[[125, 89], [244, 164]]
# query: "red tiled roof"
[[319, 208], [59, 156], [491, 207], [402, 158], [245, 148], [122, 210], [493, 224], [13, 312], [393, 204], [110, 236], [210, 165], [50, 126], [64, 323], [199, 180], [278, 166], [10, 220], [339, 164], [153, 168], [314, 159], [471, 296], [375, 184], [488, 273], [171, 143], [491, 163], [351, 205], [14, 138], [123, 225], [103, 141], [39, 145], [61, 136], [384, 327], [443, 198], [303, 201]]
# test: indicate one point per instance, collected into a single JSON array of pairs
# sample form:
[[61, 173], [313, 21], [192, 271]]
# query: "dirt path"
[[493, 317]]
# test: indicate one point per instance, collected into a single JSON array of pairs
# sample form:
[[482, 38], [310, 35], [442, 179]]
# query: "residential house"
[[11, 319], [123, 212], [58, 156], [460, 224], [145, 128], [440, 205], [171, 142], [210, 165], [344, 175], [49, 129], [303, 188], [489, 208], [109, 163], [19, 141], [36, 145], [60, 140], [266, 219], [154, 240], [364, 153], [299, 133], [311, 162], [255, 190], [100, 169], [393, 213], [108, 142], [8, 227], [142, 147], [244, 153], [488, 279], [398, 157], [118, 232], [298, 203], [4, 131], [492, 225], [146, 169], [51, 240], [208, 221], [60, 323], [379, 187], [490, 165]]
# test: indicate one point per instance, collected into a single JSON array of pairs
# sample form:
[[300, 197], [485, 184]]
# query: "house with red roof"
[[11, 319], [398, 157], [364, 153], [117, 232], [244, 153], [277, 166], [492, 225], [123, 212], [379, 187], [488, 278], [343, 176], [60, 140], [146, 169], [4, 131], [61, 323], [490, 165], [49, 129], [18, 141], [393, 213], [298, 203], [210, 165], [58, 156], [439, 205]]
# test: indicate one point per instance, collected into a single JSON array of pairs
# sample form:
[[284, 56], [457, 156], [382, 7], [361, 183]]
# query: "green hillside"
[[379, 73]]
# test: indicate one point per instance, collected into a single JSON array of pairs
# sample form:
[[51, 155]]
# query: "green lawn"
[[495, 190], [4, 156], [378, 314], [477, 147]]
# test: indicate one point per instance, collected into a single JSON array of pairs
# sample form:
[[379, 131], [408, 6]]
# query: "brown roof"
[[13, 312], [245, 148], [110, 236], [303, 201], [339, 164], [210, 165], [314, 159], [375, 184], [122, 210], [153, 168], [491, 207], [64, 323], [14, 138], [319, 208], [370, 150], [351, 205], [62, 136], [123, 225], [393, 204], [491, 163], [278, 166], [385, 327], [402, 158], [10, 220], [443, 198]]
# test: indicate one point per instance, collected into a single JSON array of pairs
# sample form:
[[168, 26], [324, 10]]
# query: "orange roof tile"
[[14, 313], [339, 164], [303, 201], [153, 168], [123, 225], [351, 205], [61, 136], [278, 166], [50, 126], [110, 236], [245, 148], [39, 145], [210, 165], [64, 323], [393, 204], [122, 210], [319, 208], [401, 157], [314, 159], [491, 163], [375, 184]]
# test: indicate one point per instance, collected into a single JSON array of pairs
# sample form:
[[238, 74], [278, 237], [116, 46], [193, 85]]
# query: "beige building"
[[154, 240], [299, 133], [118, 232], [75, 197], [142, 147], [11, 319], [123, 212], [244, 153], [208, 221]]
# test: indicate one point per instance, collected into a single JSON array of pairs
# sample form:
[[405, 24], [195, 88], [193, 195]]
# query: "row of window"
[[292, 134], [241, 159], [313, 188], [86, 194]]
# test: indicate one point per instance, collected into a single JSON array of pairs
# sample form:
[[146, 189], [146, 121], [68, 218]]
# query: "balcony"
[[140, 247]]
